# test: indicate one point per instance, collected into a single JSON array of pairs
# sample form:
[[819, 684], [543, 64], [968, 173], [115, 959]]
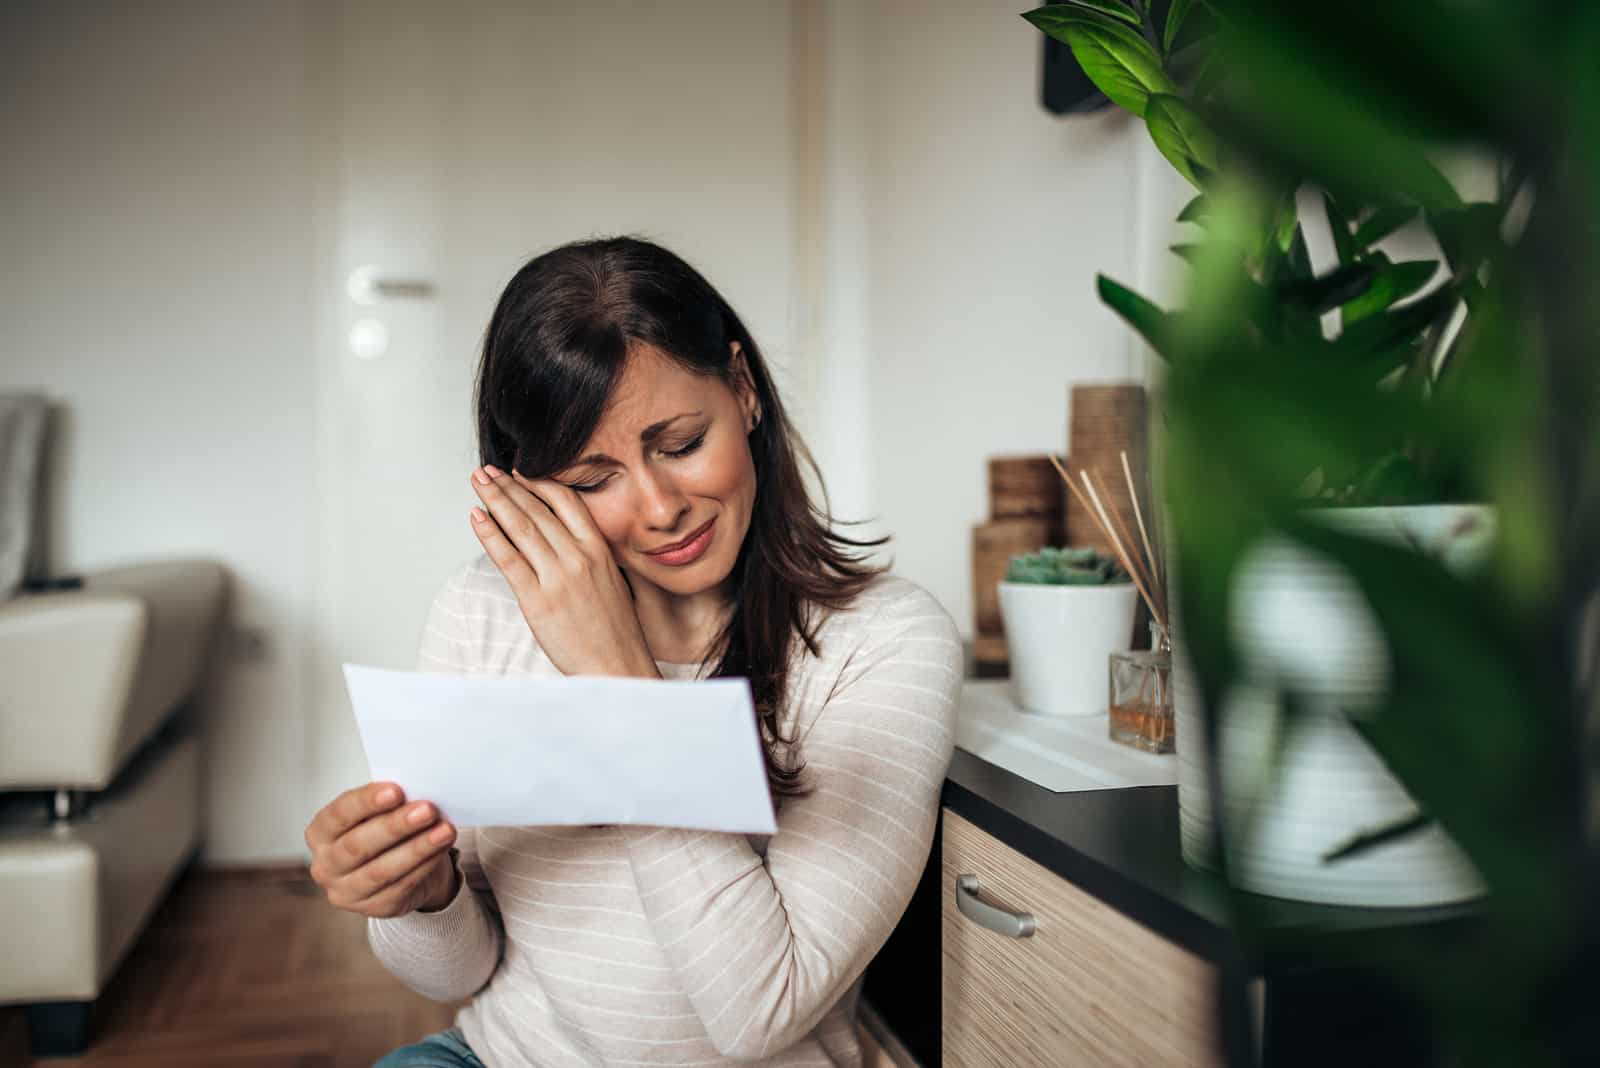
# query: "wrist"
[[637, 667], [451, 886], [645, 667]]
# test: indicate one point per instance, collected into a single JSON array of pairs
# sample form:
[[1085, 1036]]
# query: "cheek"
[[727, 472], [612, 520]]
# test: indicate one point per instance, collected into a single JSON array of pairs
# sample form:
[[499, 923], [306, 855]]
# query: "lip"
[[687, 550]]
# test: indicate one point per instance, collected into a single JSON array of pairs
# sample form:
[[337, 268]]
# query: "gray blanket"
[[22, 429]]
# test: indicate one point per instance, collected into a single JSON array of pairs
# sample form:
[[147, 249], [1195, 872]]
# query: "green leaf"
[[1374, 367], [1182, 136], [1190, 254], [1214, 68], [1467, 234], [1153, 324], [1114, 8], [1445, 70], [1339, 223], [1394, 283], [1298, 256], [1054, 19], [1195, 210], [1338, 286], [1291, 115], [1397, 326], [1119, 62], [1175, 16], [1366, 840], [1394, 479], [1265, 415], [1287, 220], [1383, 222]]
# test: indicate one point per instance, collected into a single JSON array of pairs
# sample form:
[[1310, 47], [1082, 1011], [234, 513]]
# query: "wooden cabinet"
[[1089, 986]]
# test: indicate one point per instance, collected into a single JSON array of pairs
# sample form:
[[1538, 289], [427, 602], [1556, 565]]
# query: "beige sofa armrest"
[[69, 660], [93, 672]]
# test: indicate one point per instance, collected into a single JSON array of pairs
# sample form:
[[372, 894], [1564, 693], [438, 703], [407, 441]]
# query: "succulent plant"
[[1052, 566]]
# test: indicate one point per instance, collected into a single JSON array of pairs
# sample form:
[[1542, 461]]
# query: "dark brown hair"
[[555, 349]]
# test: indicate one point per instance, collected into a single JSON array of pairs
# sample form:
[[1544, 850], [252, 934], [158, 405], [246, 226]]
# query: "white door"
[[458, 140]]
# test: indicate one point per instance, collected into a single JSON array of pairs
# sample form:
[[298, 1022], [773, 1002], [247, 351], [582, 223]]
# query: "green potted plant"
[[1065, 611], [1484, 710], [1298, 623]]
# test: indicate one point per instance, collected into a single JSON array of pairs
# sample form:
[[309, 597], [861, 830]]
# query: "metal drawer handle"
[[1011, 924]]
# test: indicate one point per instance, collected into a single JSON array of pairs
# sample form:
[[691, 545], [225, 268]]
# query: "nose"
[[661, 503]]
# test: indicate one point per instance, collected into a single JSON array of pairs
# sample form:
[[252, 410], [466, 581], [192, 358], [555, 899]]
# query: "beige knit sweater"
[[640, 945]]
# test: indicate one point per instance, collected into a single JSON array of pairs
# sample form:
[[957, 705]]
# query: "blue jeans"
[[443, 1049]]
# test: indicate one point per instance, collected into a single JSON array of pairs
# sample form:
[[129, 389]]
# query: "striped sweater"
[[636, 945]]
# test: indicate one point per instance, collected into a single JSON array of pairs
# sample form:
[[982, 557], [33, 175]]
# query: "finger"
[[567, 506], [394, 865], [399, 868], [354, 806], [516, 522], [365, 842], [567, 534], [505, 556], [399, 897]]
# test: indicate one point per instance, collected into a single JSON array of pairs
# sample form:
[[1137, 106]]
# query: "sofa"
[[101, 803]]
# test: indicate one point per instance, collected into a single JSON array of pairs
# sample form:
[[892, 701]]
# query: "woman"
[[643, 515]]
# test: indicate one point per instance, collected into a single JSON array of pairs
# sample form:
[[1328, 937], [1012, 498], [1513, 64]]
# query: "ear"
[[745, 386]]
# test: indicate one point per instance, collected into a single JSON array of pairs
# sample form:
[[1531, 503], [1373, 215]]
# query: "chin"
[[707, 573]]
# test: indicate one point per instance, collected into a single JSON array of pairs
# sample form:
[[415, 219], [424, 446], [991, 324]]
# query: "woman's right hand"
[[374, 856]]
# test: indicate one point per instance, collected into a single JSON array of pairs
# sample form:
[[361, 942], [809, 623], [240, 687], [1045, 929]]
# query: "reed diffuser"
[[1140, 689]]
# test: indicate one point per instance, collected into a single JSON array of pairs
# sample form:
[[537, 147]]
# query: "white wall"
[[154, 243], [987, 220], [912, 237]]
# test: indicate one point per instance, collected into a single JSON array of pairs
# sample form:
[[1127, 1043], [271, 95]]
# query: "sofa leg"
[[59, 1028]]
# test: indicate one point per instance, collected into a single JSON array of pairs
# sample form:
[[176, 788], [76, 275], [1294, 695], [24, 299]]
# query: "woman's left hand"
[[541, 536]]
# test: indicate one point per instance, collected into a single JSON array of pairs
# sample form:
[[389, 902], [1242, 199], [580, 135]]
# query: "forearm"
[[757, 983], [445, 955]]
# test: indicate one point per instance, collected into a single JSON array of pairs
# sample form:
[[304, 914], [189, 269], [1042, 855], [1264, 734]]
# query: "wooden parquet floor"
[[254, 969], [247, 969]]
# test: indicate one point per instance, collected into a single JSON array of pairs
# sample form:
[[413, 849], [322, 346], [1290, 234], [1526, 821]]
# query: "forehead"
[[653, 387]]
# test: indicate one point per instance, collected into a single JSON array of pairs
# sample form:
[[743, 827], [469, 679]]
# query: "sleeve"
[[765, 948], [447, 955]]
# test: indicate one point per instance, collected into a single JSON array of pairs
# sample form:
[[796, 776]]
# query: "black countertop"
[[1122, 846]]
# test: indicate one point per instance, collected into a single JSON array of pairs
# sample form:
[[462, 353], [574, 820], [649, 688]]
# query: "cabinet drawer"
[[1088, 987]]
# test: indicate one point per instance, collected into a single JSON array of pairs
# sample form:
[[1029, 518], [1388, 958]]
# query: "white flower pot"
[[1060, 638], [1298, 619]]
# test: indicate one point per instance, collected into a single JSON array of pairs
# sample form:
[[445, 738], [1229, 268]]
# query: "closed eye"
[[687, 449], [674, 453]]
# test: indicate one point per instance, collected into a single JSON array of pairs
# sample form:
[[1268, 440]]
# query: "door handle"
[[1010, 924], [402, 287], [365, 286]]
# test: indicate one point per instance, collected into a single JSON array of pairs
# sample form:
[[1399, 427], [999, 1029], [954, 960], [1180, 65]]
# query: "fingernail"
[[494, 472], [439, 834], [388, 795], [481, 476], [418, 814]]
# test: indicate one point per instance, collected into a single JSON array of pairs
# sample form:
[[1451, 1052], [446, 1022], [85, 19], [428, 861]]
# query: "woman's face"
[[676, 456]]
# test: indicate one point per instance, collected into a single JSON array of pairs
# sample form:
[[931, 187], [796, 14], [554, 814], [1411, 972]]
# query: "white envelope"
[[517, 750]]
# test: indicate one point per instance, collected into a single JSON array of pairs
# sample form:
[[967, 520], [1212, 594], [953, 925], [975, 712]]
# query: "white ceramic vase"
[[1060, 639], [1297, 618]]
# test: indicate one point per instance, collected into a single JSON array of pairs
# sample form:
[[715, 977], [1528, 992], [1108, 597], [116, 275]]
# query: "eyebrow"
[[647, 435]]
